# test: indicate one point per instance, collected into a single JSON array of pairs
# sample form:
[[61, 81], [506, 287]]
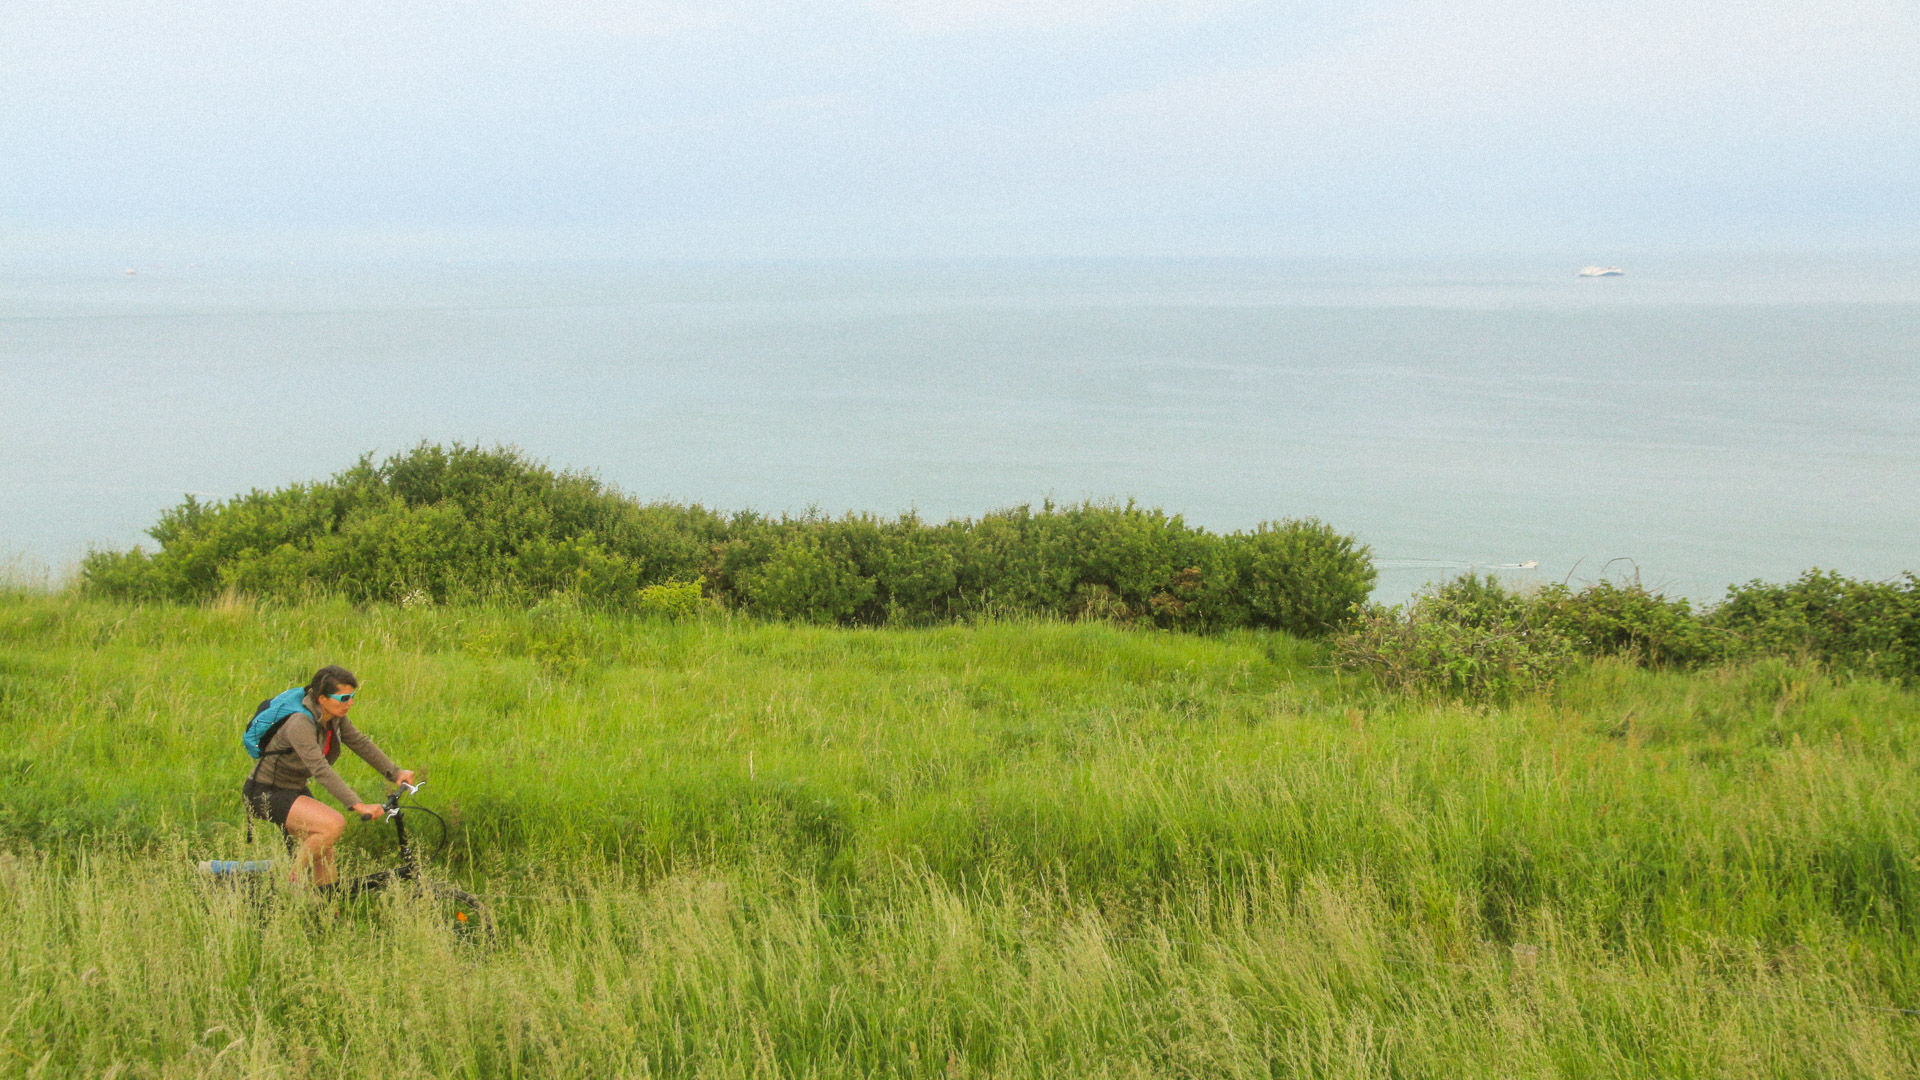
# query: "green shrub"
[[1470, 638], [1300, 576], [459, 524], [456, 523], [128, 575], [815, 576], [920, 575], [557, 636], [1474, 637], [1871, 628], [674, 599], [1091, 560], [1605, 619]]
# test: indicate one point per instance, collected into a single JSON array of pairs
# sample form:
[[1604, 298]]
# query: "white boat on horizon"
[[1601, 271]]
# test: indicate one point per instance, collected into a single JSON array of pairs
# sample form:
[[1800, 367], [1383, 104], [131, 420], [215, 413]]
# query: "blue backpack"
[[267, 719]]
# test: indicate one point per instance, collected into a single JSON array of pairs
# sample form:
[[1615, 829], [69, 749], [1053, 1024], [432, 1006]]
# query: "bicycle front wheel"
[[461, 910]]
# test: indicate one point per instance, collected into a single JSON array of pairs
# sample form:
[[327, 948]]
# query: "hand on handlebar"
[[369, 811], [404, 776]]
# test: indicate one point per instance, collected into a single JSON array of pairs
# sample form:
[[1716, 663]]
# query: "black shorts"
[[270, 803]]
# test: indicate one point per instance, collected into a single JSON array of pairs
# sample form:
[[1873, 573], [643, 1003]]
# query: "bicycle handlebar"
[[392, 802]]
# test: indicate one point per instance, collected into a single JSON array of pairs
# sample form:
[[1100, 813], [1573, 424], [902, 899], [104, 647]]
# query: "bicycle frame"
[[470, 912], [409, 868]]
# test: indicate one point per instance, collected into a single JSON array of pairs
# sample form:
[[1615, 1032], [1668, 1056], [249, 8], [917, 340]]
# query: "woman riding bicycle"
[[305, 748]]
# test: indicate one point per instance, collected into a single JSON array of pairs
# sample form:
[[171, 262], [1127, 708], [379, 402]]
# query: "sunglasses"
[[341, 698]]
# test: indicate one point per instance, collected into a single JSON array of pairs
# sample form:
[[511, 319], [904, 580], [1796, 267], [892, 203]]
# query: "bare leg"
[[315, 826]]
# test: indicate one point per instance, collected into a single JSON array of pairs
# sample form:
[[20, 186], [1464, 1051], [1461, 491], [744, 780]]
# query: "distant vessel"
[[1601, 271]]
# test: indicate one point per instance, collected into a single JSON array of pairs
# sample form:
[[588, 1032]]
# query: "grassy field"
[[730, 848]]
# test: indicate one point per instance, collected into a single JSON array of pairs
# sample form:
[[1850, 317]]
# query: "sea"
[[1698, 421]]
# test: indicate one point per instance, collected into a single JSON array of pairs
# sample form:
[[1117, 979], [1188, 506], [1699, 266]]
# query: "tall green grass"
[[123, 966], [724, 847]]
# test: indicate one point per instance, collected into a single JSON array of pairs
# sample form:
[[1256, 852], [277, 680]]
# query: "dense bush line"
[[439, 524], [1474, 637]]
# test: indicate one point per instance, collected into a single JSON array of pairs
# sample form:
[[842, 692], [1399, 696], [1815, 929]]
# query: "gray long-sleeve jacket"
[[313, 754]]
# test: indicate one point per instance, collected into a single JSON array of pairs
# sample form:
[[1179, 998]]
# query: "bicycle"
[[466, 912]]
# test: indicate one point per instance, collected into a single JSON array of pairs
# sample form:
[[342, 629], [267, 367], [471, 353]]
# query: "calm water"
[[1711, 421]]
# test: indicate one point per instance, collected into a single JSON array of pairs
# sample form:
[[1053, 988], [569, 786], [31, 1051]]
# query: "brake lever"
[[393, 804]]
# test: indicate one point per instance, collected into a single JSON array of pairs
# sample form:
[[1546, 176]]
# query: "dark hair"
[[330, 679]]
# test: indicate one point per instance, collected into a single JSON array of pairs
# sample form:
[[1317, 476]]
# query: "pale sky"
[[970, 127]]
